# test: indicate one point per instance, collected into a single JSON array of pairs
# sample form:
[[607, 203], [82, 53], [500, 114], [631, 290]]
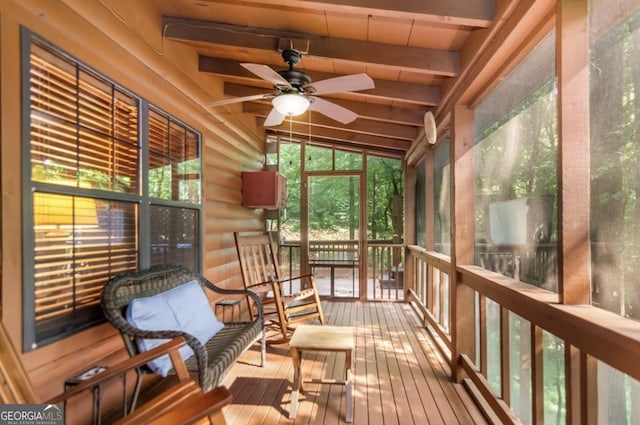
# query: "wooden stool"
[[228, 304], [322, 338]]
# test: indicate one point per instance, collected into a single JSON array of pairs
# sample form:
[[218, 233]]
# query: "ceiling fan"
[[294, 94]]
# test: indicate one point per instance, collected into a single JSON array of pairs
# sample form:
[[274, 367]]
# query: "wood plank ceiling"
[[413, 50]]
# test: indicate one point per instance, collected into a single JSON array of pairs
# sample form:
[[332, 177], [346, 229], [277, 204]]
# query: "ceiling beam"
[[390, 131], [363, 140], [392, 153], [474, 13], [371, 111], [401, 58], [384, 89]]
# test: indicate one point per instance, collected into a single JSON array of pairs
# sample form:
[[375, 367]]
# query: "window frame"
[[141, 199]]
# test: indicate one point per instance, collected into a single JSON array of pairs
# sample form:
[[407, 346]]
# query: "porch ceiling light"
[[291, 104]]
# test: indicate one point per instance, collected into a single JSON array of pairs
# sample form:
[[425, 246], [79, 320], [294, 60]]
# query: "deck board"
[[400, 377]]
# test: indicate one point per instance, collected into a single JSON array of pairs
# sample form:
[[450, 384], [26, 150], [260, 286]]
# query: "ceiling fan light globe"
[[291, 104]]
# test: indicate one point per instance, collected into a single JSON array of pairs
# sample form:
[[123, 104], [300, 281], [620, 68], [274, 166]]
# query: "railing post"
[[581, 387]]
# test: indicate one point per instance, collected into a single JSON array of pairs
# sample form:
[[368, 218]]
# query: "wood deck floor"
[[400, 377]]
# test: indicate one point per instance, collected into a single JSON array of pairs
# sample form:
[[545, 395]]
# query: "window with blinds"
[[83, 191], [173, 175]]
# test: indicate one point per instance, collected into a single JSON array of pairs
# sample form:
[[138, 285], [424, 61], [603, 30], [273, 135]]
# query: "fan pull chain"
[[309, 121]]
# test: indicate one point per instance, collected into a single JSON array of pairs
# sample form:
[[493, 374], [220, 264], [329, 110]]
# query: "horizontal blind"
[[174, 160], [83, 138], [73, 261], [82, 129]]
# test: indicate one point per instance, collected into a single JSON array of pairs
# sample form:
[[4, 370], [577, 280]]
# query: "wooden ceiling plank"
[[415, 59], [426, 95]]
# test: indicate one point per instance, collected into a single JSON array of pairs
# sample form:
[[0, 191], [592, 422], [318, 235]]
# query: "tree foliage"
[[334, 203]]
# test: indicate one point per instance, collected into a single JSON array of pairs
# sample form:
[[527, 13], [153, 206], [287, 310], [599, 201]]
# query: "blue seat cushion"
[[185, 308]]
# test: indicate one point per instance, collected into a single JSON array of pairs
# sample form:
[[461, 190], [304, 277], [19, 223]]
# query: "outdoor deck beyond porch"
[[400, 376]]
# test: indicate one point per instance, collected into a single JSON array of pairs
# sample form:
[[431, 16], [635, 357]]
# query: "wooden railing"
[[386, 271], [518, 331], [431, 293], [384, 275]]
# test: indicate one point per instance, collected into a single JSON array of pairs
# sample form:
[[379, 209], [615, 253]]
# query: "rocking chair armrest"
[[291, 279], [262, 287], [171, 348], [301, 295]]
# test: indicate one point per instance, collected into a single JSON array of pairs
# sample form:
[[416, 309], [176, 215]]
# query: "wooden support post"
[[409, 231], [574, 256], [462, 236]]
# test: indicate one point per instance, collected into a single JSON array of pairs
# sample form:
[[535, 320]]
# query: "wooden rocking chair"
[[287, 301], [182, 403]]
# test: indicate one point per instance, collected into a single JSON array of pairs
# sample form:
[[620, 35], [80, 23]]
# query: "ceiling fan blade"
[[238, 99], [266, 73], [345, 83], [332, 110], [274, 118]]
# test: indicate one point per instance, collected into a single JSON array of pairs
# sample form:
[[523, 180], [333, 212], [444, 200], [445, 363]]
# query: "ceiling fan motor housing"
[[297, 79]]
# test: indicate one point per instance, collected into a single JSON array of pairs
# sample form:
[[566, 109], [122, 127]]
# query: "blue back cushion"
[[185, 308]]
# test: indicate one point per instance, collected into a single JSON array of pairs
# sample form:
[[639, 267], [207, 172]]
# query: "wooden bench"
[[182, 403], [211, 358]]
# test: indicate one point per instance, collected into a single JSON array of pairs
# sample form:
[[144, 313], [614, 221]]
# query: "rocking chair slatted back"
[[290, 300], [257, 261]]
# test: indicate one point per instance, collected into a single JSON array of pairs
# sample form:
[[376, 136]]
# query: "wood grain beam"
[[401, 58], [487, 48], [462, 176], [362, 140], [574, 254], [369, 111], [388, 130], [475, 13], [380, 151], [384, 89]]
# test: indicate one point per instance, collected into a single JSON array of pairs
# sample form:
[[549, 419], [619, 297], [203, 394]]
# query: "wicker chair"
[[210, 360]]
